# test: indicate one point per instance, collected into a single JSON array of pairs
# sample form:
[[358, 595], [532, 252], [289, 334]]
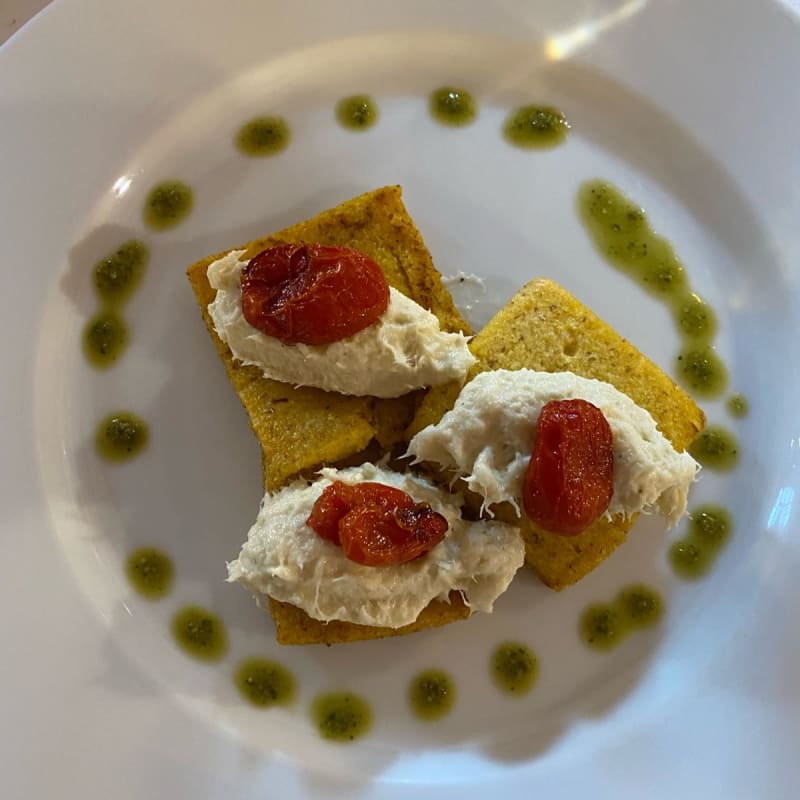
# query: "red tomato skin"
[[376, 525], [570, 477], [312, 293]]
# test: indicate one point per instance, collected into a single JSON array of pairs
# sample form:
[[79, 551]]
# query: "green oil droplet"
[[432, 694], [514, 668], [621, 232], [709, 529], [695, 318], [454, 107], [265, 683], [167, 204], [341, 716], [636, 607], [536, 127], [640, 606], [702, 371], [120, 436], [602, 626], [117, 275], [200, 633], [711, 525], [716, 448], [105, 338], [358, 112], [150, 572], [738, 406], [663, 276], [689, 559], [263, 136]]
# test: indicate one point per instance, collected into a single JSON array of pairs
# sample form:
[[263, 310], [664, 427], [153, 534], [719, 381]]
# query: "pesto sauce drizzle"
[[716, 448], [200, 633], [738, 406], [105, 338], [432, 694], [693, 555], [115, 278], [150, 572], [359, 112], [121, 436], [263, 136], [622, 233], [117, 275], [341, 716], [514, 668], [167, 204], [603, 626], [453, 107], [265, 683], [536, 127]]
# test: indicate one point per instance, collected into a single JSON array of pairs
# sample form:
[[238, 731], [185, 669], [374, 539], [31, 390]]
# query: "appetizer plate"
[[690, 108]]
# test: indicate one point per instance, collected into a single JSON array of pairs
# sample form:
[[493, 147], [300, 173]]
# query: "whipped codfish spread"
[[488, 436], [404, 350], [285, 559]]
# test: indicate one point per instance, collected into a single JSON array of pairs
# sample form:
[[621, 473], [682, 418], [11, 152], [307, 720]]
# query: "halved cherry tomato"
[[570, 477], [312, 293], [376, 525]]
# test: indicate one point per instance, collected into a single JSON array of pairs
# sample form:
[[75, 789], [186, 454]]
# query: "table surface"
[[15, 13]]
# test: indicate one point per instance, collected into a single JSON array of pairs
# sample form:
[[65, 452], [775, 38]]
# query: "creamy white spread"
[[404, 350], [285, 559], [488, 436]]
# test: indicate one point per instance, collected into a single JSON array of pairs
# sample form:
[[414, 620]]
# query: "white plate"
[[690, 107]]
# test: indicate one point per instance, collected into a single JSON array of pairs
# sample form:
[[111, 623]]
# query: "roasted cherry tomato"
[[339, 498], [570, 477], [376, 525], [312, 293]]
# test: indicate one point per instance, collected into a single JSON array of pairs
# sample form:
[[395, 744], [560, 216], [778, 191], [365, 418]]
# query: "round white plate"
[[690, 107]]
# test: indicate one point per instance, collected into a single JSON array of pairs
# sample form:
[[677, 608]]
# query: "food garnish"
[[312, 293], [376, 525], [570, 477]]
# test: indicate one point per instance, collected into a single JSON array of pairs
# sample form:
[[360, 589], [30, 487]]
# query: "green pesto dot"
[[432, 694], [702, 371], [167, 204], [514, 668], [689, 559], [640, 606], [263, 136], [738, 406], [454, 107], [120, 436], [341, 716], [200, 633], [105, 338], [357, 113], [716, 448], [711, 525], [265, 683], [536, 127], [117, 275], [602, 627], [696, 319], [150, 572]]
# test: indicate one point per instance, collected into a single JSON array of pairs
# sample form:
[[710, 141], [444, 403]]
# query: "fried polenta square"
[[302, 429], [543, 327], [294, 626]]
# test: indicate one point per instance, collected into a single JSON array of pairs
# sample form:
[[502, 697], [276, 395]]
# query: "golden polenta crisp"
[[300, 429], [543, 327], [294, 626]]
